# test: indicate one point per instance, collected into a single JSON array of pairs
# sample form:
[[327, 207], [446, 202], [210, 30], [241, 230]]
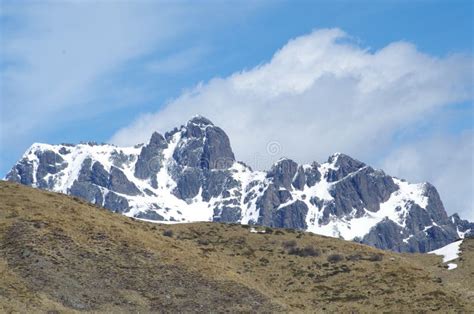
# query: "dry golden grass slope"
[[61, 254]]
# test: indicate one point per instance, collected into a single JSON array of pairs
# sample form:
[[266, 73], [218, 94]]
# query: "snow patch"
[[449, 252], [462, 234], [452, 266], [253, 230]]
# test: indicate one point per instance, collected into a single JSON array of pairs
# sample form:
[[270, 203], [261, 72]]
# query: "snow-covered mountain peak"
[[200, 121], [190, 174]]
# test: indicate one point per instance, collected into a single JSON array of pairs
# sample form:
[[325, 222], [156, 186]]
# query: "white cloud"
[[319, 94], [445, 161]]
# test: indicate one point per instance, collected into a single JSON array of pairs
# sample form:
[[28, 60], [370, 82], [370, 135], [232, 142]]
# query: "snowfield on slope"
[[449, 252]]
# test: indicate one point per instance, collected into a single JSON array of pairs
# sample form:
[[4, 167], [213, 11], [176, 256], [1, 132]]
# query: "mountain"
[[60, 254], [190, 174]]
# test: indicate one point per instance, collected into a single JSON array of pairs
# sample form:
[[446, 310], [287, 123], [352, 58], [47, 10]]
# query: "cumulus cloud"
[[320, 93], [445, 161]]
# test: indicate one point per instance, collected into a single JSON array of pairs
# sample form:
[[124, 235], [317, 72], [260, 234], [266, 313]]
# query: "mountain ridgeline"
[[190, 174]]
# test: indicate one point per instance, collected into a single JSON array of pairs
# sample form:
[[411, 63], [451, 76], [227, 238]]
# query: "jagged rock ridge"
[[190, 174]]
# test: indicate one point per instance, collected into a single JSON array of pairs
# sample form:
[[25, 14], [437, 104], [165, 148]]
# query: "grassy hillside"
[[59, 253]]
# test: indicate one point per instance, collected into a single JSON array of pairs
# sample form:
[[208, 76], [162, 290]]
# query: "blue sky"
[[91, 70]]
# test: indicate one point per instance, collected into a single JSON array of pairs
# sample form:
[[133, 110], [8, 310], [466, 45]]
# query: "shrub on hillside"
[[335, 258], [203, 242], [168, 233], [307, 251], [354, 257], [289, 244], [375, 258]]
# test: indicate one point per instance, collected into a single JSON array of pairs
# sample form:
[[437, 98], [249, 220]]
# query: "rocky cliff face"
[[190, 174]]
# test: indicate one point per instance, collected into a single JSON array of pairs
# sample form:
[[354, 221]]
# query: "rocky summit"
[[190, 174]]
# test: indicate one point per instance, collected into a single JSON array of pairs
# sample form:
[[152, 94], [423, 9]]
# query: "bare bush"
[[168, 233], [307, 251], [289, 244], [335, 258]]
